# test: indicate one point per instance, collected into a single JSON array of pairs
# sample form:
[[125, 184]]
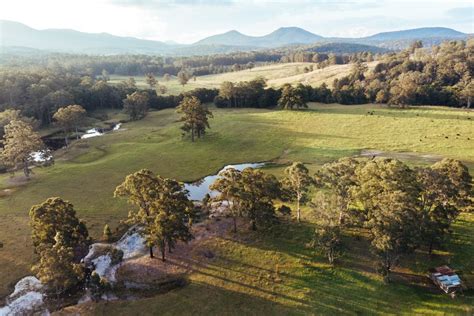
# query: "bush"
[[107, 233], [116, 255], [284, 210]]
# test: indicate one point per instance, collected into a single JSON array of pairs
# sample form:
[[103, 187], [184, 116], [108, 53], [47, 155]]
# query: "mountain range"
[[15, 36]]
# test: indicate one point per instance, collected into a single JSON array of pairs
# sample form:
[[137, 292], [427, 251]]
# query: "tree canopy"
[[69, 118], [19, 143], [136, 105], [162, 209], [194, 115], [291, 98]]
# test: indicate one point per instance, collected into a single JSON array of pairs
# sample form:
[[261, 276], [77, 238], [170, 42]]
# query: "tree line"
[[39, 94]]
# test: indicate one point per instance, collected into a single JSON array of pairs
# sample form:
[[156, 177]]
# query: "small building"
[[446, 279]]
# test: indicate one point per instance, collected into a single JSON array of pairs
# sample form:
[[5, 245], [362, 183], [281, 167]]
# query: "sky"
[[187, 21]]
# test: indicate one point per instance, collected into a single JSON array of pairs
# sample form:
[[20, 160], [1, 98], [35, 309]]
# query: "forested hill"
[[281, 37], [19, 37]]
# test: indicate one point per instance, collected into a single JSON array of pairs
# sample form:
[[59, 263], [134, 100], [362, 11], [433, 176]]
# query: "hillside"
[[276, 76], [419, 33]]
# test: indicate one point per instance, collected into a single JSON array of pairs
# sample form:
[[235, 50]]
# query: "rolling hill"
[[24, 38], [276, 75], [419, 33]]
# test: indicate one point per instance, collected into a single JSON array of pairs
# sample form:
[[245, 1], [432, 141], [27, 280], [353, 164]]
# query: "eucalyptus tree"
[[194, 115], [339, 177], [19, 142], [291, 98], [162, 209], [69, 118], [136, 105], [297, 181], [446, 190], [389, 194], [249, 194]]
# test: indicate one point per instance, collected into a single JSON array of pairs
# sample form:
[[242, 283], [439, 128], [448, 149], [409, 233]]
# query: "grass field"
[[241, 277], [276, 75]]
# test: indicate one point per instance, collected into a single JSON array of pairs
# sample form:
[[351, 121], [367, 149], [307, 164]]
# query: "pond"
[[199, 189]]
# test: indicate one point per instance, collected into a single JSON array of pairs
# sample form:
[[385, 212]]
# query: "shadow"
[[367, 110]]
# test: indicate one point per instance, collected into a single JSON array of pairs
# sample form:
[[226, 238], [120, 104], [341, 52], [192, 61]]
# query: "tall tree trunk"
[[192, 133], [298, 209], [163, 249], [26, 170], [430, 251], [77, 134], [151, 252]]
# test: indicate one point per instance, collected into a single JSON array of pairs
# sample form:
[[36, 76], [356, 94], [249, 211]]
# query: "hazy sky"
[[190, 20]]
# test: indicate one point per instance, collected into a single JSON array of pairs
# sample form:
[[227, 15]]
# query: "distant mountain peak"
[[280, 37]]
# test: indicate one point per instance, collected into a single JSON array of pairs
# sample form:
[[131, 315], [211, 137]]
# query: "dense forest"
[[440, 76], [135, 65]]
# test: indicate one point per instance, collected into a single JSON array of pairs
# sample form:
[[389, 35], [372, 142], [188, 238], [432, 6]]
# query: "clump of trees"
[[60, 239], [69, 118], [291, 98], [136, 105], [440, 76], [162, 209], [195, 116], [247, 194], [252, 93], [402, 208], [20, 141], [183, 76]]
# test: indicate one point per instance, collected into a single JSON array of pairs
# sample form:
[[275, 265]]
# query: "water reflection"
[[199, 189]]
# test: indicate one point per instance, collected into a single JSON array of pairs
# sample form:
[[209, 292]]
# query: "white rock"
[[102, 265], [132, 245], [29, 303], [27, 284]]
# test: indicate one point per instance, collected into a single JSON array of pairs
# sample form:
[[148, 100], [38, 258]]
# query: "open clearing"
[[277, 75], [257, 274]]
